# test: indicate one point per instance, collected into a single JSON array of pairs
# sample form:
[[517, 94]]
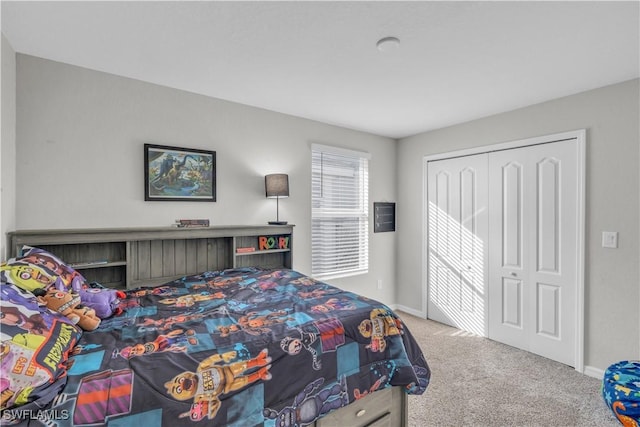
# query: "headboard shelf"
[[150, 256]]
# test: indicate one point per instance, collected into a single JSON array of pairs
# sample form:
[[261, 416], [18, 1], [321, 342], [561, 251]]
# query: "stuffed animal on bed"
[[69, 305], [104, 301]]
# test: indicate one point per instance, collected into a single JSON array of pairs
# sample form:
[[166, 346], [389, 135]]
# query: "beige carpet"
[[479, 382]]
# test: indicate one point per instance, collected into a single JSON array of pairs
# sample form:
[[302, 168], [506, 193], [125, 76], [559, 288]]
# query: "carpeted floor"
[[479, 382]]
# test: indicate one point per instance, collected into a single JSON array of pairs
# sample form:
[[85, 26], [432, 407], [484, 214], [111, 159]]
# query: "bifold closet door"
[[457, 241], [533, 256]]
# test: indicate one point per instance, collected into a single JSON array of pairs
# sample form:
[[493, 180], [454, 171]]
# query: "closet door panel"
[[533, 217], [548, 204], [509, 213], [554, 259], [512, 303], [512, 215], [457, 242]]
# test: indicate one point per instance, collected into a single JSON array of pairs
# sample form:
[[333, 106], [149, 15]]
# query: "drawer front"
[[372, 410], [384, 421]]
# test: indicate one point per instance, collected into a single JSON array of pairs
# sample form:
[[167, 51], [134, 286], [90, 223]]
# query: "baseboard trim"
[[412, 311], [593, 372]]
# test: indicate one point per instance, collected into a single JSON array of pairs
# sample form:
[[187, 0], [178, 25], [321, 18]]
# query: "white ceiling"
[[457, 61]]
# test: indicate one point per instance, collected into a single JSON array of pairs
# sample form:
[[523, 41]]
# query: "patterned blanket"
[[243, 347]]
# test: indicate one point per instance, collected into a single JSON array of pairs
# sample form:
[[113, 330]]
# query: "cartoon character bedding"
[[244, 347]]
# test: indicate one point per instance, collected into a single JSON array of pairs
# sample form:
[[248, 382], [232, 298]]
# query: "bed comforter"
[[243, 347]]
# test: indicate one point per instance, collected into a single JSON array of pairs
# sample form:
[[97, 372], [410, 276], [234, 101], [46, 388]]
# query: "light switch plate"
[[610, 239]]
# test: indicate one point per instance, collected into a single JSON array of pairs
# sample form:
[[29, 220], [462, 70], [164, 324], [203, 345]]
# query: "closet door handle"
[[514, 274]]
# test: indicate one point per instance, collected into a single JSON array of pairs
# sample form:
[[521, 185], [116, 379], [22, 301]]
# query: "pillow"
[[70, 279], [34, 348], [27, 276]]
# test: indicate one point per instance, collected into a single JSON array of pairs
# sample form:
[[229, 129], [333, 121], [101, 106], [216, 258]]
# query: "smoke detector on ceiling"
[[388, 44]]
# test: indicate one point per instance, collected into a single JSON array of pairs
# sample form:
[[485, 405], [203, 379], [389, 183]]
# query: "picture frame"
[[179, 174]]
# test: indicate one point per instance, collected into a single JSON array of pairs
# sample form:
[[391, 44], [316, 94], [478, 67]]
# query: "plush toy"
[[69, 305], [103, 300]]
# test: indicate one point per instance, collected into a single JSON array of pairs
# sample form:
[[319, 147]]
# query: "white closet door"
[[533, 257], [458, 231]]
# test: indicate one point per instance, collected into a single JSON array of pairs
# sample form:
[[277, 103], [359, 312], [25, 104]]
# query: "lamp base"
[[277, 222]]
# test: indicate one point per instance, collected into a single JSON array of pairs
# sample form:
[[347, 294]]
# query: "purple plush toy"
[[103, 300]]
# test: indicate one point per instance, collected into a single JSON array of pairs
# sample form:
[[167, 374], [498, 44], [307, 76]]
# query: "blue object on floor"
[[621, 391]]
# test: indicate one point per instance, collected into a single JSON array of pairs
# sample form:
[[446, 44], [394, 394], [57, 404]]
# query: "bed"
[[245, 346]]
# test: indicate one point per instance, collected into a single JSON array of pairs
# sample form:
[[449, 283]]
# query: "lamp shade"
[[276, 185]]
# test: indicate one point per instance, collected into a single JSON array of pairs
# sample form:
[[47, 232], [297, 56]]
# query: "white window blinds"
[[339, 213]]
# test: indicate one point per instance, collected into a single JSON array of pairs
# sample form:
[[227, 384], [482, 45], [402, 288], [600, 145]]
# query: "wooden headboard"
[[133, 257]]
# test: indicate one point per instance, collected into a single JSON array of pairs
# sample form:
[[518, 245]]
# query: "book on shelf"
[[87, 263], [192, 222], [245, 250]]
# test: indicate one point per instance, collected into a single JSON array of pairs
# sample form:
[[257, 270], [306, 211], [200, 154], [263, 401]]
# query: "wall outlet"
[[379, 283], [610, 239]]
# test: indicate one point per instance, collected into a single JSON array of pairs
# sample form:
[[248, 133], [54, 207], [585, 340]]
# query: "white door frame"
[[580, 137]]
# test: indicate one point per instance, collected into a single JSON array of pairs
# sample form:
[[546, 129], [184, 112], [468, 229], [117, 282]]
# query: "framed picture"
[[179, 174]]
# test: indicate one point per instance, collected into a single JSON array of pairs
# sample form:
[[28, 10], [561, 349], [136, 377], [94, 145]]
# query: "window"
[[339, 212]]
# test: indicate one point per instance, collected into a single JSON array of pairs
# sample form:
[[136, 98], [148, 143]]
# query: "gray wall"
[[80, 136], [8, 149], [612, 281]]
